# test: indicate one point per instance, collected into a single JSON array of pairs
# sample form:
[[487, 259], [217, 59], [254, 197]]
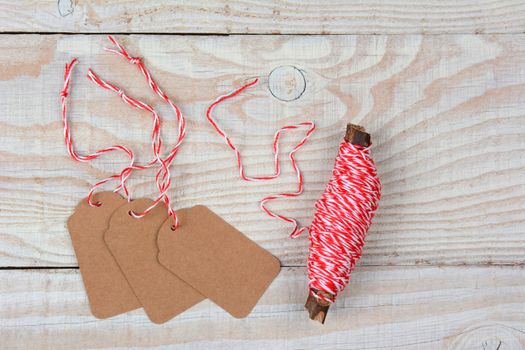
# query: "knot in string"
[[134, 60]]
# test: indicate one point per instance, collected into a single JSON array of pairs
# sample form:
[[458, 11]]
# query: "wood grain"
[[446, 114], [443, 266], [264, 17], [383, 308]]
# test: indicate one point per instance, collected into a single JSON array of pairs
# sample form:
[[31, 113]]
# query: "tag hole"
[[130, 213], [173, 227], [97, 204]]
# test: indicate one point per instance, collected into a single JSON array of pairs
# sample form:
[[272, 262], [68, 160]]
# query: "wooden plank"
[[383, 308], [446, 114], [264, 17]]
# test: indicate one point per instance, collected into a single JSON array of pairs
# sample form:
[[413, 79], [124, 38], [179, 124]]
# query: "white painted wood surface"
[[445, 112], [443, 264], [264, 17], [383, 308]]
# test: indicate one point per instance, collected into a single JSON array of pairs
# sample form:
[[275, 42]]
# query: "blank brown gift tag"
[[217, 260], [108, 292], [133, 243]]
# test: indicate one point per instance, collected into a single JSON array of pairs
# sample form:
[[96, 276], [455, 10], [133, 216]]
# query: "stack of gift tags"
[[128, 263]]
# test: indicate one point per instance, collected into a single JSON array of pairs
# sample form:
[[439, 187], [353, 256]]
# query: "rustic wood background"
[[440, 85]]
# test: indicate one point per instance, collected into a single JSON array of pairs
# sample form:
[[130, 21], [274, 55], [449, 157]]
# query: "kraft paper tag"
[[108, 291], [217, 260], [133, 243]]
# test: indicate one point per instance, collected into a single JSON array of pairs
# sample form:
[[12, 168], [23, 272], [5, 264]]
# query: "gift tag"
[[217, 260], [133, 243], [108, 291]]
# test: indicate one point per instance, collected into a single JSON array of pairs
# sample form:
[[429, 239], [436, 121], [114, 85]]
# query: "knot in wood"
[[287, 83]]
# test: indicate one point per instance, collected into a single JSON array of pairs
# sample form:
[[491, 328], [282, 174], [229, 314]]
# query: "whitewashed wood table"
[[439, 85]]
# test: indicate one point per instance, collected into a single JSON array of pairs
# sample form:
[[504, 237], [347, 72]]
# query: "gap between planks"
[[466, 265], [218, 34]]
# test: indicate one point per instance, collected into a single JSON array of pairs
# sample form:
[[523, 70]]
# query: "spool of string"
[[344, 214]]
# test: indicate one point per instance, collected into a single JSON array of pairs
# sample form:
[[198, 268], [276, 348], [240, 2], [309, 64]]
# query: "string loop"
[[85, 158], [162, 178], [309, 125]]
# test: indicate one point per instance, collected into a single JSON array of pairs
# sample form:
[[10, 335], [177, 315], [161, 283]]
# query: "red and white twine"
[[277, 169], [344, 214], [86, 158], [163, 178]]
